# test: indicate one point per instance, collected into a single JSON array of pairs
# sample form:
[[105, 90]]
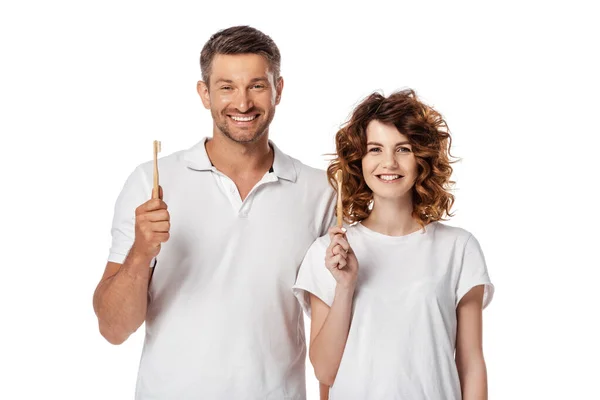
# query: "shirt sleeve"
[[329, 216], [314, 277], [135, 192], [473, 272]]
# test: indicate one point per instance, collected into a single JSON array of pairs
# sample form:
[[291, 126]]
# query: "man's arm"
[[121, 297]]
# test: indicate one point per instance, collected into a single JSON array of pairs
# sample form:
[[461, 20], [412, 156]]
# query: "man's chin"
[[241, 136]]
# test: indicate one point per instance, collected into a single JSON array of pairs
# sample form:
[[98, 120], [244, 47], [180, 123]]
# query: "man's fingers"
[[162, 237], [158, 195], [151, 205], [155, 216], [161, 226]]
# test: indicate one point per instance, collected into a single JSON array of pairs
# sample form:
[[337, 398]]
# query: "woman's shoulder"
[[445, 230]]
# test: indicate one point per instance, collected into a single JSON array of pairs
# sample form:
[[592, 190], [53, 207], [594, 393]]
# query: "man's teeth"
[[389, 177], [243, 119]]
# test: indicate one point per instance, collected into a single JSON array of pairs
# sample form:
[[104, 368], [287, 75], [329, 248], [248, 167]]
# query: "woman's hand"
[[340, 259]]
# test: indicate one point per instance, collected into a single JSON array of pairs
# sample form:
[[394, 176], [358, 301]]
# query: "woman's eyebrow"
[[396, 145]]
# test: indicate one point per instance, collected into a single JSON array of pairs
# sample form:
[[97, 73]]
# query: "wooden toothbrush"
[[340, 213], [156, 151]]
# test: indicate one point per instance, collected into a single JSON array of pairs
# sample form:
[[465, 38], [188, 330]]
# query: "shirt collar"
[[283, 165]]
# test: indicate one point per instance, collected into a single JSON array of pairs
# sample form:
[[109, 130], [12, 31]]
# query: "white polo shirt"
[[222, 321]]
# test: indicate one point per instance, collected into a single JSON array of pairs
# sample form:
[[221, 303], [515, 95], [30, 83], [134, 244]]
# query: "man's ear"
[[278, 89], [202, 89]]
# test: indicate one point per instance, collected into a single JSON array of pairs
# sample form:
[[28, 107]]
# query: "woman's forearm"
[[473, 379], [328, 346]]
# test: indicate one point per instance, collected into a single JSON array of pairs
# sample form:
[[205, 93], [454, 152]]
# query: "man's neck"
[[240, 160]]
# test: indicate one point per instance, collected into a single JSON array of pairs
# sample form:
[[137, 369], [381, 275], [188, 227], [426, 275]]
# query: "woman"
[[396, 299]]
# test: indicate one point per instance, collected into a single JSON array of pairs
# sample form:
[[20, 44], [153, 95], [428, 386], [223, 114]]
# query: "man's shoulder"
[[308, 173], [314, 179]]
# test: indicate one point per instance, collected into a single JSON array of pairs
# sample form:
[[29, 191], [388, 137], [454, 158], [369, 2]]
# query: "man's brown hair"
[[239, 40]]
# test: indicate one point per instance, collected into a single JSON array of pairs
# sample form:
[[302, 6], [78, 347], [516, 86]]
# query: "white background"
[[86, 86]]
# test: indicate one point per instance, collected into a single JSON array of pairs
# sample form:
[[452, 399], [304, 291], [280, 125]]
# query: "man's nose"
[[243, 101]]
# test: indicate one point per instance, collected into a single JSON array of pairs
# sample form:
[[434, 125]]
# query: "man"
[[221, 319]]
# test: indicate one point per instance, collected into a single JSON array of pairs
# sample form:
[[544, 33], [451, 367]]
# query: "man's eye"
[[226, 87], [258, 86]]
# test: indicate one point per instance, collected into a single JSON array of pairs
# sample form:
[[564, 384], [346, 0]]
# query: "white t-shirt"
[[222, 322], [403, 332]]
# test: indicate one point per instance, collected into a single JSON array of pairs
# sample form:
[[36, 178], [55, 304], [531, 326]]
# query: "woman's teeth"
[[389, 177]]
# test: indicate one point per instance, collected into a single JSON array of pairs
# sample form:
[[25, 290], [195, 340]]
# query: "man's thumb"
[[160, 193]]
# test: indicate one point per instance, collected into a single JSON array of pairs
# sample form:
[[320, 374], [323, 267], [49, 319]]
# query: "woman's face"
[[389, 167]]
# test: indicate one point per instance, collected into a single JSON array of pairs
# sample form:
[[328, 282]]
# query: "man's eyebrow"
[[260, 79]]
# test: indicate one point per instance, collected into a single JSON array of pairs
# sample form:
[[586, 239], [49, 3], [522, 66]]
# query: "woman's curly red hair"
[[430, 138]]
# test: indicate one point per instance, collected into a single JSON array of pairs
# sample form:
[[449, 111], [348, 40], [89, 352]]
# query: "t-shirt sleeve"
[[473, 272], [135, 192], [314, 277]]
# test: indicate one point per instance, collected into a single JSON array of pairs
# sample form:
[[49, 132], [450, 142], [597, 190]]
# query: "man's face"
[[241, 95]]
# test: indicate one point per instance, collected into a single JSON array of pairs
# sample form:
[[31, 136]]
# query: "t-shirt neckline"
[[419, 234]]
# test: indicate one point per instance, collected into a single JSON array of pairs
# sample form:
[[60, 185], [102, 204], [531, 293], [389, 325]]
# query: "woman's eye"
[[374, 150], [404, 149]]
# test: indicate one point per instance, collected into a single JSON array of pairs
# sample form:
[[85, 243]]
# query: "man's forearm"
[[121, 301]]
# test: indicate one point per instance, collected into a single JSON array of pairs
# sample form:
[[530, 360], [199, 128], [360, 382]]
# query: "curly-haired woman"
[[396, 298]]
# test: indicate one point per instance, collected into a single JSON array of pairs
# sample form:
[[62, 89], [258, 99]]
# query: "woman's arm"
[[330, 326], [323, 391], [328, 333], [469, 350]]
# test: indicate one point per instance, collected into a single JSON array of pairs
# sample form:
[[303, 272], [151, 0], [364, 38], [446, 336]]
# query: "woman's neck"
[[392, 217]]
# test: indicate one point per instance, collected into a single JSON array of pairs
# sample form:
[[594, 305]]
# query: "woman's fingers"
[[339, 250], [334, 230]]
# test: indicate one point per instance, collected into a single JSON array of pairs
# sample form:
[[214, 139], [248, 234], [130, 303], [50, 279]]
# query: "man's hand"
[[152, 225]]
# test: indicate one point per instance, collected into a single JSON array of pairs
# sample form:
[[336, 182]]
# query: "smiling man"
[[210, 265]]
